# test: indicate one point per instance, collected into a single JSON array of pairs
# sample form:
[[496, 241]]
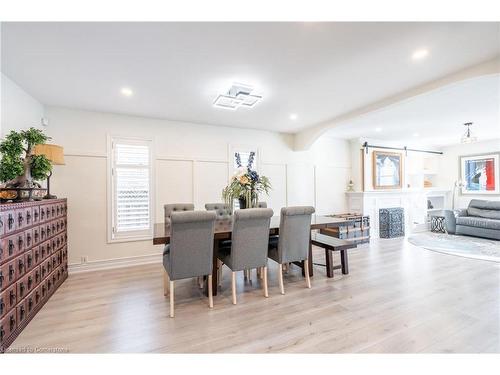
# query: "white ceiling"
[[435, 118], [316, 70]]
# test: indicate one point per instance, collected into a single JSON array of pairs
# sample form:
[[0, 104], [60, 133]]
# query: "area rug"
[[469, 247]]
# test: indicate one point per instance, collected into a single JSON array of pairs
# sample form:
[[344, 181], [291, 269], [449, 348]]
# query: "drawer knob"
[[12, 298]]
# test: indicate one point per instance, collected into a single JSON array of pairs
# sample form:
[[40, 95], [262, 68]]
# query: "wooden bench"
[[331, 244]]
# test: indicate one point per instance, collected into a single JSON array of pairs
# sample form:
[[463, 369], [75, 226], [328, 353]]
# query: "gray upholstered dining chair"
[[249, 244], [222, 210], [292, 244], [176, 207], [190, 251]]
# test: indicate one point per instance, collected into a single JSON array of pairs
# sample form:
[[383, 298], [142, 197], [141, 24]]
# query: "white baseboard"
[[108, 264]]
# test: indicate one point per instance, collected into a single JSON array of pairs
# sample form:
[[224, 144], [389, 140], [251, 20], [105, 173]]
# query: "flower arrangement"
[[245, 185]]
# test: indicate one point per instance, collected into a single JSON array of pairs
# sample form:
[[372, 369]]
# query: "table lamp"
[[55, 154]]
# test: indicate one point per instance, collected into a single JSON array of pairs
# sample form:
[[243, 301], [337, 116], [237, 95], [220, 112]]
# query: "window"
[[131, 196]]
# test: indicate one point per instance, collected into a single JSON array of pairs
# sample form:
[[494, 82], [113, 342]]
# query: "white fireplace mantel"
[[413, 201]]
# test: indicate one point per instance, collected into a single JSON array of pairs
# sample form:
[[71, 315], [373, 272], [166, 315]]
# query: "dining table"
[[223, 229]]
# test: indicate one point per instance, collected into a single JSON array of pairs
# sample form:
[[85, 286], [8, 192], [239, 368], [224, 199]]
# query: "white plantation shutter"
[[131, 172]]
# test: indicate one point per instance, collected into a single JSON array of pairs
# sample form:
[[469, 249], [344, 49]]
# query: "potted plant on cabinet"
[[20, 168]]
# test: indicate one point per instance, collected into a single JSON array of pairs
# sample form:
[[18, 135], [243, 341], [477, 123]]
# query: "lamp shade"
[[54, 153]]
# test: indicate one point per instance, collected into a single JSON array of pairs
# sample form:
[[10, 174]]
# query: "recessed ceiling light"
[[126, 91], [293, 116], [419, 54], [416, 134], [378, 130]]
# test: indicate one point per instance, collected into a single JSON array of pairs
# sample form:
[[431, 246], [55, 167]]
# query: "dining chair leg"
[[171, 299], [200, 282], [233, 286], [219, 270], [264, 271], [261, 275], [306, 270], [166, 281], [280, 277], [210, 296]]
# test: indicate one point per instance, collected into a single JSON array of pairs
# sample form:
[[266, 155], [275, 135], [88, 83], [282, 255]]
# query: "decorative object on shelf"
[[245, 185], [429, 204], [427, 184], [55, 154], [391, 222], [468, 137], [20, 167], [387, 170], [350, 186], [456, 186], [480, 174]]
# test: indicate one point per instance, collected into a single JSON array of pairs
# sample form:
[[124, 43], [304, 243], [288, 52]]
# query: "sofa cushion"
[[484, 208], [478, 222], [488, 214]]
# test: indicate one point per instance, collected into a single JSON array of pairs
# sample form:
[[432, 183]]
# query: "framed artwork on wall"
[[387, 170], [480, 174]]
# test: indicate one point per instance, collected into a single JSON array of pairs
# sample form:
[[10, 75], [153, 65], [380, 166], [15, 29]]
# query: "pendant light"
[[468, 137]]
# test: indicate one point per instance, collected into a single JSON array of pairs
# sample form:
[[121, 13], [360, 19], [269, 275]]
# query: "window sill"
[[130, 239]]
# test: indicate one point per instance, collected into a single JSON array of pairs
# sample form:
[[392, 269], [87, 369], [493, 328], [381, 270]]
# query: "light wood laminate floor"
[[397, 298]]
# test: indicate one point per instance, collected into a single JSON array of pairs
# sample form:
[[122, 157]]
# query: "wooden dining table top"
[[224, 227]]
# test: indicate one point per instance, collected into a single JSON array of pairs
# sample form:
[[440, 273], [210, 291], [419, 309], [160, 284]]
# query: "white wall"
[[18, 109], [449, 167], [191, 165]]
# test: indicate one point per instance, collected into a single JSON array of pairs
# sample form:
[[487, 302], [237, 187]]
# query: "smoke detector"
[[238, 96]]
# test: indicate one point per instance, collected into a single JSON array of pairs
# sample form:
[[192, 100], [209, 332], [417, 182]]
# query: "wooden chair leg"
[[166, 281], [233, 286], [171, 299], [264, 271], [306, 270], [261, 274], [200, 282], [280, 277], [210, 295]]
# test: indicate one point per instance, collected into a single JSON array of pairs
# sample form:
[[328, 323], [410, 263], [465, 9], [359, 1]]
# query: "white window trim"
[[129, 237], [233, 148]]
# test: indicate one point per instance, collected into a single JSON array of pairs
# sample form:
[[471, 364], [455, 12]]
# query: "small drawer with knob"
[[36, 215], [22, 287], [8, 299], [20, 263], [36, 236], [8, 324], [20, 216], [22, 312], [28, 216], [10, 224], [29, 261], [37, 256]]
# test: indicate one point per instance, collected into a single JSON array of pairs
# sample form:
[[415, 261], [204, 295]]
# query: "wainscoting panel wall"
[[209, 180], [300, 184], [174, 183], [278, 196], [331, 183]]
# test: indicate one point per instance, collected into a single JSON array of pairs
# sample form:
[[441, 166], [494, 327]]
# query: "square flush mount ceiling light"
[[238, 96]]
